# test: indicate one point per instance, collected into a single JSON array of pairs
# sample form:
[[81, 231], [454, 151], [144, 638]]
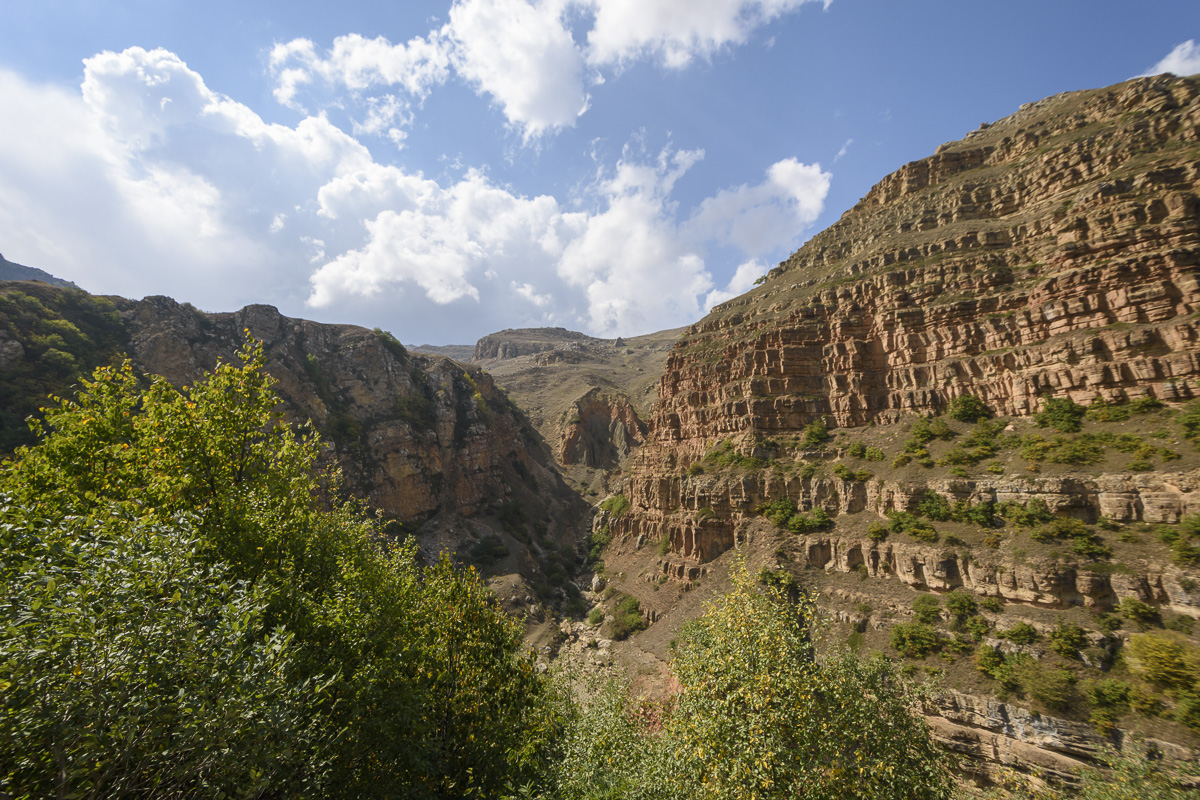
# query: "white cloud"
[[145, 181], [675, 31], [767, 217], [1184, 60], [743, 280], [522, 55]]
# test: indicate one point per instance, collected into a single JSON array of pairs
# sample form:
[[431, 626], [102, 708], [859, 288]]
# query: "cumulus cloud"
[[675, 31], [1184, 60], [146, 181], [743, 280], [769, 216], [522, 54]]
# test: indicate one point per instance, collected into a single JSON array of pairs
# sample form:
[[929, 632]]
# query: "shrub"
[[1165, 660], [856, 450], [815, 434], [993, 604], [1026, 515], [927, 608], [1053, 688], [260, 641], [874, 454], [1061, 413], [904, 522], [1138, 612], [967, 408], [877, 532], [915, 639], [760, 714], [596, 616], [1067, 640], [1022, 633], [617, 505], [961, 604], [901, 460]]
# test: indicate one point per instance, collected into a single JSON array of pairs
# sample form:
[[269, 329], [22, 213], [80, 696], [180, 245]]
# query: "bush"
[[1053, 688], [815, 434], [877, 532], [1067, 640], [967, 408], [915, 639], [1138, 612], [1061, 413], [596, 616], [1165, 660], [1022, 633], [904, 522], [961, 605], [927, 608], [617, 505]]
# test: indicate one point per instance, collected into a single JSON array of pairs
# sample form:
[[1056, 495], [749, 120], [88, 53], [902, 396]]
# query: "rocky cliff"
[[430, 442], [1044, 263]]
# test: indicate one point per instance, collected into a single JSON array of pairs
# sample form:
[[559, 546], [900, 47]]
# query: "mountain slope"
[[1051, 256]]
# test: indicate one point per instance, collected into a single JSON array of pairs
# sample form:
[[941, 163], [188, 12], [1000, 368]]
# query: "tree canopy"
[[189, 608]]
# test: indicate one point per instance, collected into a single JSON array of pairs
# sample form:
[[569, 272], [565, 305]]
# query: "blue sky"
[[448, 169]]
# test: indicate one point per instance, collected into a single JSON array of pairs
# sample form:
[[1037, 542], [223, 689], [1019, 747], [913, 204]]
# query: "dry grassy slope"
[[1053, 253], [548, 371]]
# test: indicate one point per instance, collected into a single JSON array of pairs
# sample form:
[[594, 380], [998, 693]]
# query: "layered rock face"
[[416, 436], [600, 431], [1053, 252]]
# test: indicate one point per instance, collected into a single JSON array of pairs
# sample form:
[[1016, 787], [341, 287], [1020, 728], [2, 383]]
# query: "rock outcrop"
[[1052, 254]]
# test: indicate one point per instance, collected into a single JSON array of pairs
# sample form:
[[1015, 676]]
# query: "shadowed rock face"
[[417, 437]]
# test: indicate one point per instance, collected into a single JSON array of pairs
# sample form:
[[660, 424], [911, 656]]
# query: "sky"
[[447, 169]]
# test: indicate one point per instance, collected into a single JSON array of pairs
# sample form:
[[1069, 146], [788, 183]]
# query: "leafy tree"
[[760, 715], [424, 683], [967, 408]]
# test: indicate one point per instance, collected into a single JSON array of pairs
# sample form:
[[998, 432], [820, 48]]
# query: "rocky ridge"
[[1052, 254]]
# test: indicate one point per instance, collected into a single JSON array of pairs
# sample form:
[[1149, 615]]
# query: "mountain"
[[431, 443], [961, 414], [17, 272]]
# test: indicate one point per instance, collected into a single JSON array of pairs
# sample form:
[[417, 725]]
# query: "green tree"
[[425, 685], [760, 715]]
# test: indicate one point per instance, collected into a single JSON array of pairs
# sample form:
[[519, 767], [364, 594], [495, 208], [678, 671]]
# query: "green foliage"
[[927, 608], [877, 532], [1054, 688], [856, 449], [207, 583], [961, 604], [759, 714], [967, 408], [873, 454], [1138, 612], [1184, 540], [65, 334], [617, 505], [627, 618], [598, 539], [596, 616], [783, 514], [925, 430], [1067, 640], [915, 639], [1025, 516], [1189, 420], [904, 522], [488, 550], [1061, 413], [845, 473], [1060, 449], [1022, 633], [725, 455], [815, 434]]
